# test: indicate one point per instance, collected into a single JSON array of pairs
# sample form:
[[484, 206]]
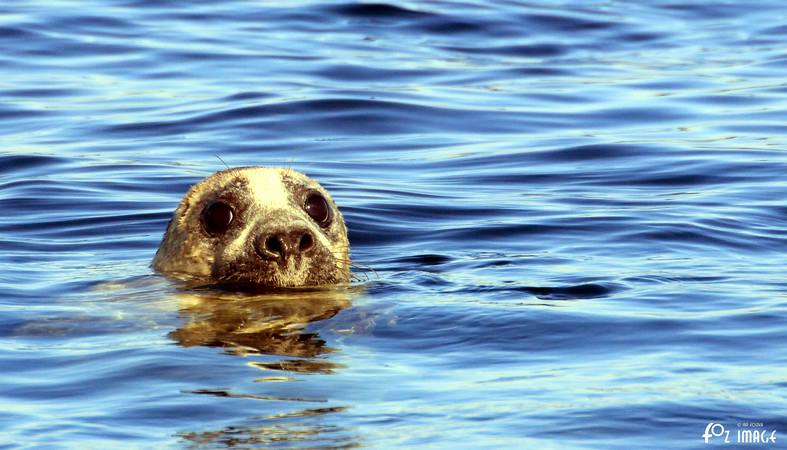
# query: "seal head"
[[258, 227]]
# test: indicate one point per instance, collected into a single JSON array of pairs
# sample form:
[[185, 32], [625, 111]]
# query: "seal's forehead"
[[266, 187], [269, 187], [274, 187]]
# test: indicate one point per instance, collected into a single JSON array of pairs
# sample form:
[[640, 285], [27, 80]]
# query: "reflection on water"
[[245, 324], [279, 434], [270, 331], [265, 324]]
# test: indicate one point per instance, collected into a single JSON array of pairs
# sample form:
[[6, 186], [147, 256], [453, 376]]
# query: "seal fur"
[[267, 205]]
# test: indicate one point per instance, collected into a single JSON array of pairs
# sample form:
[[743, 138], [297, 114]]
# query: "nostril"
[[281, 246], [273, 244], [306, 243]]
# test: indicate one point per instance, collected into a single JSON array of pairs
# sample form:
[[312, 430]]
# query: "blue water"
[[569, 221]]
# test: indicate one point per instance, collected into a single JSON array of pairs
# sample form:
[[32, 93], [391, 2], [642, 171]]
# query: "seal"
[[256, 227]]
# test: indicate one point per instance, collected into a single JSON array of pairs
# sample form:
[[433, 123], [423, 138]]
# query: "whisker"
[[222, 161]]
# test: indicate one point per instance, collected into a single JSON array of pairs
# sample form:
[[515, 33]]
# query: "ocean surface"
[[568, 219]]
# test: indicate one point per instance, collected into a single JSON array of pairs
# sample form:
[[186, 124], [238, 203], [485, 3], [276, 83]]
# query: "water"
[[574, 212]]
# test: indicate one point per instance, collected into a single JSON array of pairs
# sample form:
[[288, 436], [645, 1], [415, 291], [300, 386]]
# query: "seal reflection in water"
[[270, 324], [256, 227], [276, 327]]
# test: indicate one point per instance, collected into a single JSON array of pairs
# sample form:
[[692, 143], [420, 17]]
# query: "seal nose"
[[280, 245]]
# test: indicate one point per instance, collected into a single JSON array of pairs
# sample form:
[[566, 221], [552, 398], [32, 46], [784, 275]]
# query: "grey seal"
[[258, 227]]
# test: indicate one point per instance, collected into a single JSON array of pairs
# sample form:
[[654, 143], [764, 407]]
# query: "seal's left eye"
[[317, 208], [217, 217]]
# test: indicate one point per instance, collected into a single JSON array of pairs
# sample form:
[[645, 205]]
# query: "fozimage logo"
[[746, 433]]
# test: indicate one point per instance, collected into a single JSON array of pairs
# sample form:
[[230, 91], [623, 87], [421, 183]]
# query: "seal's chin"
[[260, 289], [254, 274]]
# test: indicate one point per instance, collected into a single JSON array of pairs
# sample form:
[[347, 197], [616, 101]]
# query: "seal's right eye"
[[217, 217]]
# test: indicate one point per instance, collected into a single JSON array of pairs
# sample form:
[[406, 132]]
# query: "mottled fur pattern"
[[264, 200]]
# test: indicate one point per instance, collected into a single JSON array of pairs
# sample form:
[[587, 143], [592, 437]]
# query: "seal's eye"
[[317, 208], [217, 217]]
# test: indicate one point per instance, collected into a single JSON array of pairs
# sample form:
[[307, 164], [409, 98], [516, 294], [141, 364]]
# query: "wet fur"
[[262, 199]]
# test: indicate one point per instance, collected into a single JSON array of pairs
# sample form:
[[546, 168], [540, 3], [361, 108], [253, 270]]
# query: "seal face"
[[256, 226]]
